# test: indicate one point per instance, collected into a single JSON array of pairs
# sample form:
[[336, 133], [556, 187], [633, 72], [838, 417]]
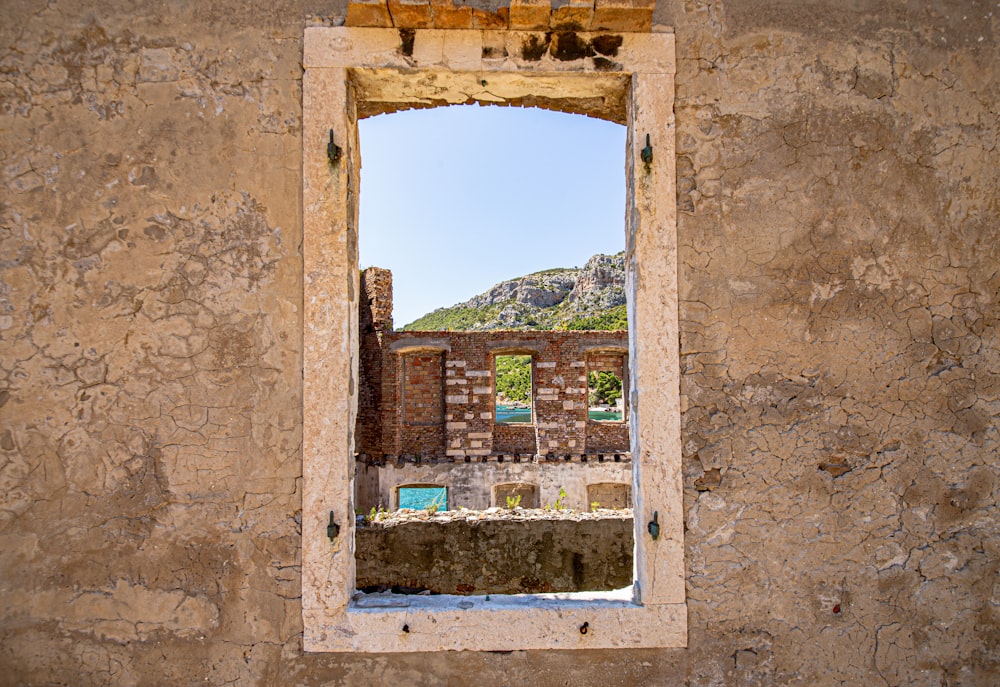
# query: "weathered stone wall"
[[507, 552], [837, 172]]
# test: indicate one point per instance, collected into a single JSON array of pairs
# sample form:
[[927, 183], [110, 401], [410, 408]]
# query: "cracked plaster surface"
[[839, 251]]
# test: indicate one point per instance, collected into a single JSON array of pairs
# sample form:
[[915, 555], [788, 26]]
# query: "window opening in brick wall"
[[606, 389], [355, 73], [423, 389], [512, 390]]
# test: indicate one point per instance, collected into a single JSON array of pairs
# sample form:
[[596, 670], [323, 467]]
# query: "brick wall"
[[411, 424], [374, 320]]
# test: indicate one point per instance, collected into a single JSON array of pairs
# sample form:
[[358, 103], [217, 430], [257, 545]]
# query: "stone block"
[[529, 15], [575, 15], [446, 15], [371, 13], [411, 14], [494, 21], [623, 15]]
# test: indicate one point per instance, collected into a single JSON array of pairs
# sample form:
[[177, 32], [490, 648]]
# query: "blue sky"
[[456, 199]]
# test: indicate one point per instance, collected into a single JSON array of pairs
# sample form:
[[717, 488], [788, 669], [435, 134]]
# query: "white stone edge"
[[504, 623], [497, 623]]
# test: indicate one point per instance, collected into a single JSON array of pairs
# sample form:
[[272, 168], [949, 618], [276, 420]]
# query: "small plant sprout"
[[435, 505], [594, 505], [558, 505], [374, 515], [513, 502]]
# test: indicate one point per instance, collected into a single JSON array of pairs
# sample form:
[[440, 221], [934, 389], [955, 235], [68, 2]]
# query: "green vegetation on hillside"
[[455, 318], [564, 298], [613, 319], [459, 318]]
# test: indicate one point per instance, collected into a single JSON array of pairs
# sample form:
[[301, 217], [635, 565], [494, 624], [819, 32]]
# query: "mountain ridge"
[[588, 297]]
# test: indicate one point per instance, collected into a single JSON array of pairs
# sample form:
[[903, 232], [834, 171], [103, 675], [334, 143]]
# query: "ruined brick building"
[[426, 415], [814, 242]]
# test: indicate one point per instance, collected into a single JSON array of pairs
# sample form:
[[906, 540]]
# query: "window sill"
[[386, 623]]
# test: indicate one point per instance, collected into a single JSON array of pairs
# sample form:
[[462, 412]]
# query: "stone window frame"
[[350, 70]]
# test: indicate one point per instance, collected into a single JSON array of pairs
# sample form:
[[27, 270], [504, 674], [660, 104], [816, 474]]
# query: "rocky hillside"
[[589, 297]]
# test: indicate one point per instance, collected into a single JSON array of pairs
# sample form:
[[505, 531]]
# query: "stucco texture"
[[839, 232]]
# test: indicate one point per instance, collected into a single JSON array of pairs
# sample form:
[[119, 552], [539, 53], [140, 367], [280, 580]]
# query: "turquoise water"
[[510, 414], [419, 498], [523, 415]]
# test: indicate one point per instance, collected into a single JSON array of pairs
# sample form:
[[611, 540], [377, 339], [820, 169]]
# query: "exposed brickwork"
[[423, 393], [405, 376], [510, 438], [560, 396], [423, 402], [374, 320]]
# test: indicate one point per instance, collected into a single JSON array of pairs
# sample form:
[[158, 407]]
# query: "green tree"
[[605, 387], [514, 377]]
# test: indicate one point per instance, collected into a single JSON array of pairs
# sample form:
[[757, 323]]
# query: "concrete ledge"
[[608, 620]]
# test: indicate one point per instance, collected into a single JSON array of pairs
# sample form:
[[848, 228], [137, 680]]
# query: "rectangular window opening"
[[606, 392], [348, 71], [512, 390]]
